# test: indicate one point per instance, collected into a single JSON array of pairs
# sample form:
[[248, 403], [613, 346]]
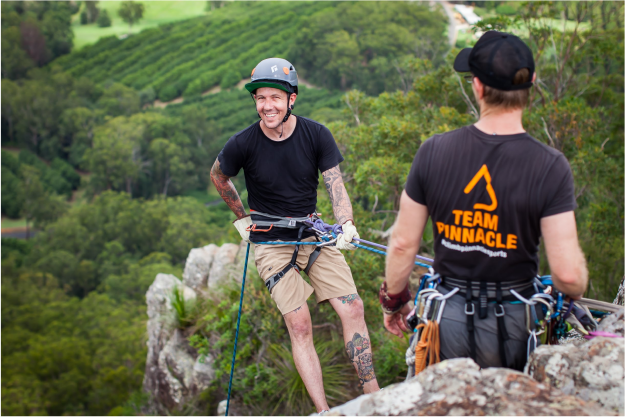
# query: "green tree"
[[12, 193], [118, 100], [76, 127], [9, 92], [92, 10], [15, 61], [56, 26], [170, 164], [113, 159], [131, 12], [39, 207], [104, 20]]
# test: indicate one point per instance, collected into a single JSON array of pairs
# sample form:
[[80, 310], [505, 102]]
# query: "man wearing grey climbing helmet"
[[282, 155], [492, 192]]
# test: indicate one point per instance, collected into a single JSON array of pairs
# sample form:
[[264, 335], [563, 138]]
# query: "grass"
[[156, 13], [8, 223]]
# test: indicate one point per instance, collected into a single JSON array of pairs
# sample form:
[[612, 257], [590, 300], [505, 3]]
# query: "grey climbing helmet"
[[275, 73]]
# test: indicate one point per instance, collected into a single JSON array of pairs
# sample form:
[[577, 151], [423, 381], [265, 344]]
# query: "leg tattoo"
[[349, 299], [362, 361], [365, 368]]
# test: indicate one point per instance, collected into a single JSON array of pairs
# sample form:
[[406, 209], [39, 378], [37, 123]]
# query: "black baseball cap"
[[495, 59]]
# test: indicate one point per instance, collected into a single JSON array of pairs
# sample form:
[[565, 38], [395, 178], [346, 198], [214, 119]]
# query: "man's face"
[[272, 105]]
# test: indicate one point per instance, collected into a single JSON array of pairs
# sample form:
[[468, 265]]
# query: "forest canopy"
[[106, 152]]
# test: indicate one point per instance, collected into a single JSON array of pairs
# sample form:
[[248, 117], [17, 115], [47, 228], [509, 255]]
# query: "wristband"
[[392, 303]]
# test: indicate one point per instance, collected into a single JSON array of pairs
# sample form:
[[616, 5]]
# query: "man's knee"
[[355, 309], [300, 327]]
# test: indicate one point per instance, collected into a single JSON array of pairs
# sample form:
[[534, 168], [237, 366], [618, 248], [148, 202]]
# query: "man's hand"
[[242, 226], [396, 323], [349, 233]]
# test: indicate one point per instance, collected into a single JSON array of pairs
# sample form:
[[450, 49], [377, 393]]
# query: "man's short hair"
[[515, 99]]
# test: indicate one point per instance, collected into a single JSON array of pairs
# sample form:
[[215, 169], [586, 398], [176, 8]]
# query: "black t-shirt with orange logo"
[[486, 195]]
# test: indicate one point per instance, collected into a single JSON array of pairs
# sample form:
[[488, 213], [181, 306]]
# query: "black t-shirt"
[[486, 195], [281, 176]]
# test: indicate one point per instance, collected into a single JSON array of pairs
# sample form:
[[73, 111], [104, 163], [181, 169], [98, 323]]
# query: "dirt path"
[[452, 29], [216, 89]]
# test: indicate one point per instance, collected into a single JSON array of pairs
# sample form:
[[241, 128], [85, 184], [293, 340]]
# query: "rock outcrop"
[[458, 387], [591, 370], [174, 374], [585, 377]]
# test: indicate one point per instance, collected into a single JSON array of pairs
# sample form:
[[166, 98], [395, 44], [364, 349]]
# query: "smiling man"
[[282, 155]]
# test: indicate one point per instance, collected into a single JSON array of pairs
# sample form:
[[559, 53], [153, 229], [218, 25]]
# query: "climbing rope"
[[236, 336]]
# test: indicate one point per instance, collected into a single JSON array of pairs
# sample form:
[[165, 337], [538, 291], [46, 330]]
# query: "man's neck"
[[284, 129], [500, 122]]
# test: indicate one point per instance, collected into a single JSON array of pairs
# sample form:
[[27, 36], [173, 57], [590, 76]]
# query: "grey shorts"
[[454, 336]]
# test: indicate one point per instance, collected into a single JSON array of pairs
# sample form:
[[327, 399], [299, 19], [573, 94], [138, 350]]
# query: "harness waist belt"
[[488, 290]]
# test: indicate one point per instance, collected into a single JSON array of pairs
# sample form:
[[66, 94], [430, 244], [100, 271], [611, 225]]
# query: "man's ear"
[[479, 88], [292, 101]]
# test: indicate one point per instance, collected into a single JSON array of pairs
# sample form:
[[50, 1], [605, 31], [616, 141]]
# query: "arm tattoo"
[[226, 190], [341, 205], [363, 361], [349, 299]]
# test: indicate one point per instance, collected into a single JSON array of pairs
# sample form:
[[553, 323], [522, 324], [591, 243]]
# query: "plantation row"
[[233, 110], [190, 57]]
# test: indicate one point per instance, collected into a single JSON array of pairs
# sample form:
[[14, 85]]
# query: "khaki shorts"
[[330, 276]]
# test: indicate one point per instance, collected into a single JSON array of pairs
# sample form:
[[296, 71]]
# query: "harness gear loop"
[[502, 332], [470, 313]]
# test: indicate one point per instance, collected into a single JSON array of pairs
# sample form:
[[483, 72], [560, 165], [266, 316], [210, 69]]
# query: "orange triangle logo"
[[483, 172]]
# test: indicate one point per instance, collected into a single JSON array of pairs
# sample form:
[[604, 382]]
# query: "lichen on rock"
[[459, 387]]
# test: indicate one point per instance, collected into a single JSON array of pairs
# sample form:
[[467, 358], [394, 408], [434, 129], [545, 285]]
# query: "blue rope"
[[384, 253], [316, 243], [236, 337]]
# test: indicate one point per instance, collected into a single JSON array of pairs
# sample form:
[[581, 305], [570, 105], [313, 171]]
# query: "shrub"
[[230, 79], [66, 171], [10, 162], [12, 198], [184, 310], [104, 19], [84, 19], [168, 93]]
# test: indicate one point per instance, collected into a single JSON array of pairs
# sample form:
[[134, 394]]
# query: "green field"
[[156, 13], [192, 56]]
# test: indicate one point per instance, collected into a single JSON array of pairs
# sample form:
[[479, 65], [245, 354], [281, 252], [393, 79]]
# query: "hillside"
[[156, 13], [190, 57]]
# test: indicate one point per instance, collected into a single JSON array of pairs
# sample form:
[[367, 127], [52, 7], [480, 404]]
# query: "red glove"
[[392, 303]]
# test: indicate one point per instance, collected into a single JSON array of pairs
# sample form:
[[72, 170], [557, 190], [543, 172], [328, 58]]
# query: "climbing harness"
[[548, 317], [326, 235]]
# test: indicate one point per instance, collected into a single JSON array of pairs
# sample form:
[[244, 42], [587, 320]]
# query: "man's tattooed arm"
[[341, 205], [226, 190]]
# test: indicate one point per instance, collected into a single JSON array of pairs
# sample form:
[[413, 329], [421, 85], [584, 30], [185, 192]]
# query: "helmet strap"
[[288, 110]]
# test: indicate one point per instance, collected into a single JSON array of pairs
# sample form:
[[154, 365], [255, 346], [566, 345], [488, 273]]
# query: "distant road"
[[18, 232], [452, 30]]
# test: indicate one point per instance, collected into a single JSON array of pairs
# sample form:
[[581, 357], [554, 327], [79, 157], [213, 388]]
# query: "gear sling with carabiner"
[[288, 223]]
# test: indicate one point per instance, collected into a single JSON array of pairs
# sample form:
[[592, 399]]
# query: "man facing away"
[[281, 156], [492, 190]]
